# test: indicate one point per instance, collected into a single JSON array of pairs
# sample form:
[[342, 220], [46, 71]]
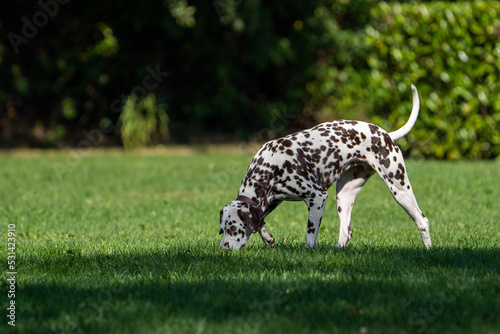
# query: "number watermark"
[[11, 265]]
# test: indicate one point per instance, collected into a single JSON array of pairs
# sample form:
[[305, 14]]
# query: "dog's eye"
[[221, 231]]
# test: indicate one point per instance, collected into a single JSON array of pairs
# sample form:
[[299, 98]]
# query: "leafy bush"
[[142, 121], [451, 52], [234, 65], [231, 63]]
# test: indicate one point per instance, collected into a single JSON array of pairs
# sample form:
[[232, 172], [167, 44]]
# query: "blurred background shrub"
[[142, 122], [451, 51], [233, 63]]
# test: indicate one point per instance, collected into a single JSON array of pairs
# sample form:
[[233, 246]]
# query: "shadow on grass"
[[390, 290]]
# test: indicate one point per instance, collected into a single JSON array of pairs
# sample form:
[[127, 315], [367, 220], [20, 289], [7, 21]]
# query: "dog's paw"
[[267, 237], [272, 241], [341, 245]]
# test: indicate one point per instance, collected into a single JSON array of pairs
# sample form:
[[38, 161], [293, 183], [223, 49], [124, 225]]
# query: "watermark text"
[[11, 265]]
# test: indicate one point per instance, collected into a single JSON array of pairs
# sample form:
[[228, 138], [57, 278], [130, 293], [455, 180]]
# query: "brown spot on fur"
[[373, 128]]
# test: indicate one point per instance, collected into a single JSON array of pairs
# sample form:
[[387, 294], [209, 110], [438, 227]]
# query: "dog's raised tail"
[[403, 131]]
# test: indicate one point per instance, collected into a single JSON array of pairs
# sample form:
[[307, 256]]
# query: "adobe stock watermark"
[[421, 319], [253, 321], [150, 82], [12, 272], [280, 119], [89, 311], [30, 29], [220, 178], [222, 7], [95, 137]]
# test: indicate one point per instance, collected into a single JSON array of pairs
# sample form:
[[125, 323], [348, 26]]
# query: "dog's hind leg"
[[348, 187], [396, 179]]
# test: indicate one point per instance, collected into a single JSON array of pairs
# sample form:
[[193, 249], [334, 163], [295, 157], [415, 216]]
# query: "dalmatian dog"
[[303, 165]]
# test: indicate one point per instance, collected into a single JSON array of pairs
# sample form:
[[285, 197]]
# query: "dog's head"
[[238, 220]]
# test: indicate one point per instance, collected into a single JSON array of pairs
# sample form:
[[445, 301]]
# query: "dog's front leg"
[[316, 206], [266, 236]]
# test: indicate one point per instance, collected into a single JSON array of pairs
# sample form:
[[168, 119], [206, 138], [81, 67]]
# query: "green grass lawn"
[[108, 242]]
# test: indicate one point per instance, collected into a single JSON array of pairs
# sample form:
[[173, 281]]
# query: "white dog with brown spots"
[[302, 166]]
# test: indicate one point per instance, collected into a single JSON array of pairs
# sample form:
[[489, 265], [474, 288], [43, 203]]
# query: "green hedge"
[[450, 51], [232, 70]]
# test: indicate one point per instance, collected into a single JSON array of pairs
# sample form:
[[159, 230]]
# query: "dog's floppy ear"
[[257, 215], [252, 219]]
